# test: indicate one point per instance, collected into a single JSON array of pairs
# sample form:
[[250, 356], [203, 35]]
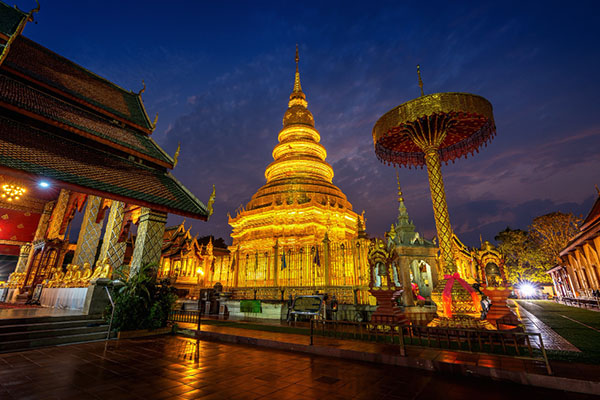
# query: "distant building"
[[579, 273], [191, 262]]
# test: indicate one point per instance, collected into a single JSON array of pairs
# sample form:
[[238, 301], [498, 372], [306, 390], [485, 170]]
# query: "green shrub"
[[143, 303]]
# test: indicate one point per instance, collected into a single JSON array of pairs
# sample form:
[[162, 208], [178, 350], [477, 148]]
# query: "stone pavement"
[[552, 340], [170, 367], [582, 378]]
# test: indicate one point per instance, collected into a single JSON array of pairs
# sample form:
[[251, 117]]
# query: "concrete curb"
[[521, 377]]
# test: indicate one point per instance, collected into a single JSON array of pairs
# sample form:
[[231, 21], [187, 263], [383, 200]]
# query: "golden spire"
[[420, 80], [297, 86], [297, 98]]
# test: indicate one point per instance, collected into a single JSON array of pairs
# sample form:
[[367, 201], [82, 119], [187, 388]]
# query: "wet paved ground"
[[174, 368], [552, 340]]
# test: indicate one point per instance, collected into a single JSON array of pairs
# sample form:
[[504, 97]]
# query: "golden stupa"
[[298, 205]]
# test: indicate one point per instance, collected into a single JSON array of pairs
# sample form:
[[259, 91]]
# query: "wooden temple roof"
[[90, 170], [62, 75], [15, 94], [590, 229], [62, 122]]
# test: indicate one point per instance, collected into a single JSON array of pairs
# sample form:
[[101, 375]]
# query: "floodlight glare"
[[527, 289], [44, 184]]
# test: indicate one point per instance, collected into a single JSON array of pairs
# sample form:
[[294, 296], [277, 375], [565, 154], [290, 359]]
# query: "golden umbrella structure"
[[426, 131]]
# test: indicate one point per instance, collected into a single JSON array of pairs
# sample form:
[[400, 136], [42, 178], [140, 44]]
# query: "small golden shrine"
[[424, 132], [495, 286]]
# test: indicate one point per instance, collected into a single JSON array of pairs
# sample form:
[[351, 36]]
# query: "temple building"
[[71, 141], [191, 263], [578, 275], [299, 233]]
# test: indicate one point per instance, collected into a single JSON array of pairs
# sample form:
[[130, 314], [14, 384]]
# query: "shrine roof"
[[30, 151], [60, 74], [23, 98], [593, 215], [589, 230]]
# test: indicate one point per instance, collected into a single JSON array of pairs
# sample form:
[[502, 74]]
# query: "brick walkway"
[[552, 340], [384, 352], [174, 368]]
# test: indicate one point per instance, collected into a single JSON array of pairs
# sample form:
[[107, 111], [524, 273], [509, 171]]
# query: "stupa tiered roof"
[[299, 202]]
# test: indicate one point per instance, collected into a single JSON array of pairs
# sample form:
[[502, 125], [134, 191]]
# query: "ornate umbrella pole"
[[424, 132], [428, 134]]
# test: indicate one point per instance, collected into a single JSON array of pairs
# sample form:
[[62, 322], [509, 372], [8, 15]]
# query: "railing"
[[112, 313], [187, 316], [584, 303], [528, 346]]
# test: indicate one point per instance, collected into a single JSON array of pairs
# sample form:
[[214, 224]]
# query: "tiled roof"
[[589, 230], [27, 98], [33, 151], [10, 18], [43, 65]]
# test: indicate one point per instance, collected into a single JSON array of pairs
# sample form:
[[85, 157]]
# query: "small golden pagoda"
[[298, 204]]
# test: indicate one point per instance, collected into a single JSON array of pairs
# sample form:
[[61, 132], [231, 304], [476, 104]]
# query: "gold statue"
[[68, 276], [97, 271], [86, 274], [106, 270]]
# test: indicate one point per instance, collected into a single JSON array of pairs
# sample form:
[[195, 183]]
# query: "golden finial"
[[297, 86], [176, 156], [155, 121], [420, 80], [34, 10], [143, 89], [400, 198], [211, 201]]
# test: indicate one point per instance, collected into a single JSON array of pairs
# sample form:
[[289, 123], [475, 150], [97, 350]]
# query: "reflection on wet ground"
[[175, 368]]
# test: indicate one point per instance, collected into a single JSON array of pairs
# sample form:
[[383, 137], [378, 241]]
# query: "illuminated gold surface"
[[12, 192], [425, 131], [436, 103], [299, 203], [440, 210], [298, 233]]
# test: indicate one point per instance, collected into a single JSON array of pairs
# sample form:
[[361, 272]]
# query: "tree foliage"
[[552, 232], [524, 260]]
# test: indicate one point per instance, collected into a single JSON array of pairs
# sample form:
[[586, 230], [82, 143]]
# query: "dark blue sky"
[[220, 73]]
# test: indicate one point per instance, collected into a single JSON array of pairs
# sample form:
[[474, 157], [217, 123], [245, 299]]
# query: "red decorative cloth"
[[447, 293]]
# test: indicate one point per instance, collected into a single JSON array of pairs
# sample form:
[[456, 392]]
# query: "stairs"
[[26, 333]]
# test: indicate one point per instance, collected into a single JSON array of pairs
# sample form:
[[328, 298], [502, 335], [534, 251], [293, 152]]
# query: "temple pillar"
[[58, 214], [236, 268], [276, 264], [23, 256], [326, 260], [89, 234], [149, 240], [112, 250], [404, 265]]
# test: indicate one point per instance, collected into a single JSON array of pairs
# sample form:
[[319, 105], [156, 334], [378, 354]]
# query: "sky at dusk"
[[219, 74]]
